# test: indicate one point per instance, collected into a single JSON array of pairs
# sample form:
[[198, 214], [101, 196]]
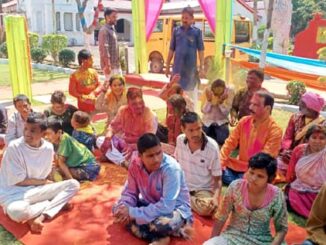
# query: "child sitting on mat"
[[74, 160], [83, 132]]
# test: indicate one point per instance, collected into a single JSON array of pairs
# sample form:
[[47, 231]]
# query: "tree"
[[81, 9], [303, 11]]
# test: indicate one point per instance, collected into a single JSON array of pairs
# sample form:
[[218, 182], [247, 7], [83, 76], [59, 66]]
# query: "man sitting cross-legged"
[[26, 195], [155, 202], [198, 156], [255, 133]]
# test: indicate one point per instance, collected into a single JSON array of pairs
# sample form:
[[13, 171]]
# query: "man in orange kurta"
[[255, 133]]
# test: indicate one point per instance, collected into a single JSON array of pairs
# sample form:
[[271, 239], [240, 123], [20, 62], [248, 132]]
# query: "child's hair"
[[37, 118], [177, 88], [264, 161], [218, 83], [82, 118], [55, 124], [21, 97], [178, 103], [114, 77], [58, 97], [83, 54], [134, 93], [147, 141]]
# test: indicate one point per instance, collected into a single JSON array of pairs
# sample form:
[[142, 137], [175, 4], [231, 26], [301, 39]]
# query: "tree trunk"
[[255, 29], [262, 62]]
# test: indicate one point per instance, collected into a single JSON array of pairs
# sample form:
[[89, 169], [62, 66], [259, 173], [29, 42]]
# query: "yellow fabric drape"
[[139, 27], [222, 33], [19, 55]]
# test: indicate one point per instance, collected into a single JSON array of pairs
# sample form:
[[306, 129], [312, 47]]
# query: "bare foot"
[[162, 241], [36, 225]]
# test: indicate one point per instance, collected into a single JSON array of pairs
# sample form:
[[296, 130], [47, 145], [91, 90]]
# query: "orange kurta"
[[83, 83], [251, 138]]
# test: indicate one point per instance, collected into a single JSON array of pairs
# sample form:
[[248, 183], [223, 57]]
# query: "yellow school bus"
[[159, 43]]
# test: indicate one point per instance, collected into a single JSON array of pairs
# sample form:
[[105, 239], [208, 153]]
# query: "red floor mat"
[[91, 222]]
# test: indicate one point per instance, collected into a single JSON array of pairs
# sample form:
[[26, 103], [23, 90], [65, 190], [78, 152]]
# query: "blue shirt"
[[162, 191], [185, 44]]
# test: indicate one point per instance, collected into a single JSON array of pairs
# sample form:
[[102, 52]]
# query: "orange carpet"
[[91, 221]]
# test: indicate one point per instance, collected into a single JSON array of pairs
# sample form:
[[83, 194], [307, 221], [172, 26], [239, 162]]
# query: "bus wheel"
[[208, 64], [156, 65]]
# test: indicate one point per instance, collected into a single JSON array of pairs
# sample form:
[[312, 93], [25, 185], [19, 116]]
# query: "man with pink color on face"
[[131, 122], [255, 133]]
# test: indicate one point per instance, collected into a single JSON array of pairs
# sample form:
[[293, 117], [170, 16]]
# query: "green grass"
[[282, 118], [6, 238], [38, 75]]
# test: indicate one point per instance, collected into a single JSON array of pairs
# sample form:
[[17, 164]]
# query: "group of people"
[[175, 167]]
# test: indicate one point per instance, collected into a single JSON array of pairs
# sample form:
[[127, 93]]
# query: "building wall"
[[238, 9], [40, 19]]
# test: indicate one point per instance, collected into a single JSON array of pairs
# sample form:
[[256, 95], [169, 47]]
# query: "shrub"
[[66, 56], [3, 50], [295, 90], [254, 46], [38, 55], [33, 39], [53, 44]]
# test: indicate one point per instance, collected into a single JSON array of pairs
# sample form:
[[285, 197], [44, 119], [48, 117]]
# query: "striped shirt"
[[199, 166]]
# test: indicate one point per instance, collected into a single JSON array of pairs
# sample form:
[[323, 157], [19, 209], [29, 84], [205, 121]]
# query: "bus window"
[[207, 31], [199, 25], [242, 34], [159, 26]]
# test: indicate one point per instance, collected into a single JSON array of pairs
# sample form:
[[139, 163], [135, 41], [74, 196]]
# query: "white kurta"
[[21, 203]]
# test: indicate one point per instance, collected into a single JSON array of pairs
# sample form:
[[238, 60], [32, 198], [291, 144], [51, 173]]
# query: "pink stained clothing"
[[301, 202], [297, 153], [294, 130], [130, 127], [313, 101], [173, 124], [310, 172], [270, 194]]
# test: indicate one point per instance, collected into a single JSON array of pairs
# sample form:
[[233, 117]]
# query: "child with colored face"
[[216, 105], [74, 160], [84, 84]]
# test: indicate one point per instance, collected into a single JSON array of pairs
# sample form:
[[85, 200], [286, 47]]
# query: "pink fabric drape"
[[209, 9], [152, 11]]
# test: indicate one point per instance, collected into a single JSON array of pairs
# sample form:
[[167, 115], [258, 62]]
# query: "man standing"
[[108, 45], [26, 193], [185, 42], [241, 100], [155, 201], [198, 156], [255, 133]]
